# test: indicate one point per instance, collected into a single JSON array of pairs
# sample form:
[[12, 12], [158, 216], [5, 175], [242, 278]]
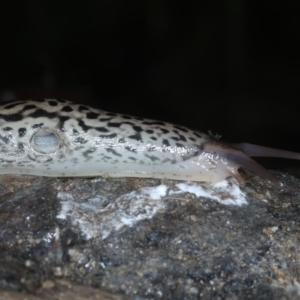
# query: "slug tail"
[[255, 150]]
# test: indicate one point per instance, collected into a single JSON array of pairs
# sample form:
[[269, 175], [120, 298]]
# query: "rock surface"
[[132, 238]]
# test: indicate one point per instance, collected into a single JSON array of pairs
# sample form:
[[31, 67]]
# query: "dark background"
[[231, 67]]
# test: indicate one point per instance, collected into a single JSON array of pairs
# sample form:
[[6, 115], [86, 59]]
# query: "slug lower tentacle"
[[54, 137]]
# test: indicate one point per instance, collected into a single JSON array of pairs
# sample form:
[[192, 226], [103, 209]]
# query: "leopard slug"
[[54, 137]]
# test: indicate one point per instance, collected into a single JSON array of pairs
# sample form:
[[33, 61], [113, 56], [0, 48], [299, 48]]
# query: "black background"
[[232, 67]]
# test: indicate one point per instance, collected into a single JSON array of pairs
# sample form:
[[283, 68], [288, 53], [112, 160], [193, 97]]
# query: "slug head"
[[233, 157]]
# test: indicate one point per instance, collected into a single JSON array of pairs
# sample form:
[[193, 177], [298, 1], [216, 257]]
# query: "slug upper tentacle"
[[53, 137]]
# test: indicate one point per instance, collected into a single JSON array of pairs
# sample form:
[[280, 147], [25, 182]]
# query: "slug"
[[54, 137]]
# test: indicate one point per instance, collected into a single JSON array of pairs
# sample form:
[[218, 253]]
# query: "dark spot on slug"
[[31, 158], [149, 131], [67, 108], [136, 137], [113, 151], [101, 129], [36, 126], [164, 130], [43, 113], [132, 158], [86, 127], [75, 132], [7, 128], [180, 128], [92, 115], [191, 153], [182, 137], [12, 105], [153, 138], [197, 134], [121, 141], [192, 139], [151, 149], [88, 152], [29, 106], [12, 118], [108, 136], [105, 119], [52, 103], [175, 138], [152, 157], [82, 107], [131, 149], [114, 124], [179, 145], [166, 143], [62, 120], [137, 128], [22, 131], [168, 160], [80, 140], [106, 157]]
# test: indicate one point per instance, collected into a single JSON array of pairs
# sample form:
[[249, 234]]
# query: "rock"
[[147, 238]]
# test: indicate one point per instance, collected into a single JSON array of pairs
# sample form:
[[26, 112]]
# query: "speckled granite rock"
[[148, 239]]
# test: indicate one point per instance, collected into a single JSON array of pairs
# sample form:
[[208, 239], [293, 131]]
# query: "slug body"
[[53, 137]]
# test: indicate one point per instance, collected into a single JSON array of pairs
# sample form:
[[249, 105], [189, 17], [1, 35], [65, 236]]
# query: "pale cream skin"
[[52, 137]]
